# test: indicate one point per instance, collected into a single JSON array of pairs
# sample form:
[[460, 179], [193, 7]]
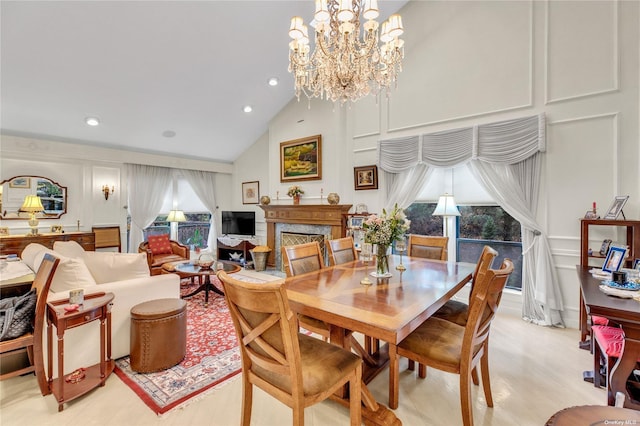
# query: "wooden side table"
[[95, 307]]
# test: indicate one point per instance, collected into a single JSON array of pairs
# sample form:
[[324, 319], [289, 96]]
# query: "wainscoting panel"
[[579, 60], [460, 61]]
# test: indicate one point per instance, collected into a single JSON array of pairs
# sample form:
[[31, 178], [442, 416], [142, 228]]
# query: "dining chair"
[[428, 247], [456, 311], [31, 342], [294, 368], [341, 250], [297, 260], [456, 349]]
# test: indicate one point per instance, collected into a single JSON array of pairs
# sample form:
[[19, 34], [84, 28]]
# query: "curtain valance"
[[505, 142]]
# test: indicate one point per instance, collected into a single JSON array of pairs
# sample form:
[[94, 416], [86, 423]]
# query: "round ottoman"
[[158, 334]]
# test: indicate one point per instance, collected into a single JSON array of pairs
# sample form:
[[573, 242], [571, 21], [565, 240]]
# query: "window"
[[480, 222]]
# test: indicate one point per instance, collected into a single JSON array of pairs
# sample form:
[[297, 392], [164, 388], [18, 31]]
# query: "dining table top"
[[390, 308], [599, 303]]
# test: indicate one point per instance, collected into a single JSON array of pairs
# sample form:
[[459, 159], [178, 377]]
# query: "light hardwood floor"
[[535, 371]]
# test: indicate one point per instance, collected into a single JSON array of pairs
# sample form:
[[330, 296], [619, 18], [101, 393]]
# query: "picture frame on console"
[[365, 177], [250, 192], [616, 207], [301, 159], [614, 259]]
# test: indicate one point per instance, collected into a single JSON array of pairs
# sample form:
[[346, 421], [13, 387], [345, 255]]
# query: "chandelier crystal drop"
[[346, 65]]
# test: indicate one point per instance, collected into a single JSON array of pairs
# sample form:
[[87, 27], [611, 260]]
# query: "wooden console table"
[[14, 244], [95, 307]]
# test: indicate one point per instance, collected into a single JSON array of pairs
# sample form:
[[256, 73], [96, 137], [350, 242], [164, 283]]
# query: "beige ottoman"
[[158, 334]]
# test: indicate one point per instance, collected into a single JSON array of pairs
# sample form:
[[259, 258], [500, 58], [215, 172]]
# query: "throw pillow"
[[70, 275], [159, 244], [107, 267], [68, 248], [29, 254]]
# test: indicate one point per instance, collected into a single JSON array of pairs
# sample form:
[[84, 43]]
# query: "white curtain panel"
[[204, 184], [148, 186], [504, 157]]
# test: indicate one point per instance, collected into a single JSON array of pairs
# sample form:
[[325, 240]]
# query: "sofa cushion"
[[159, 244], [68, 248], [29, 254], [71, 273], [108, 267]]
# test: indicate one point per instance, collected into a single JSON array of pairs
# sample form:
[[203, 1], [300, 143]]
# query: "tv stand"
[[225, 251]]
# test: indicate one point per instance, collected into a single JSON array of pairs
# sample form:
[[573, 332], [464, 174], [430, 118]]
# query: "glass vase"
[[296, 200], [382, 260]]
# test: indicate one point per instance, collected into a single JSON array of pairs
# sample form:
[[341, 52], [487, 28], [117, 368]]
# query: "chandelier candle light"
[[345, 66]]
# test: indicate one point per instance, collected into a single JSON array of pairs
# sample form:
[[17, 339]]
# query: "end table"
[[95, 307]]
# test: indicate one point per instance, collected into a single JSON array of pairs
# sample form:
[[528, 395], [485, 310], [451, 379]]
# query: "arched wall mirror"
[[13, 192]]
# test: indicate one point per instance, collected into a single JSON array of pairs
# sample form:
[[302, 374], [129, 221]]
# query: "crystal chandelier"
[[345, 66]]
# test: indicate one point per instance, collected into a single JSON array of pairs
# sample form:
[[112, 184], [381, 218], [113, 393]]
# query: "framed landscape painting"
[[301, 159]]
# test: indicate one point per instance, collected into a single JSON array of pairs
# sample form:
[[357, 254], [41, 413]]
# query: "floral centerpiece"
[[383, 231], [295, 191]]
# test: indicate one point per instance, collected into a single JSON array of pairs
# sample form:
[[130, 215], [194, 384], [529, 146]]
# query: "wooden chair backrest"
[[341, 250], [267, 330], [42, 283], [302, 258], [428, 247], [484, 263], [107, 236], [482, 309]]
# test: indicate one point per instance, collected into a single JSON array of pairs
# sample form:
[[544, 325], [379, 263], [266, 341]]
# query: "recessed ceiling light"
[[273, 81], [168, 133], [247, 108], [92, 121]]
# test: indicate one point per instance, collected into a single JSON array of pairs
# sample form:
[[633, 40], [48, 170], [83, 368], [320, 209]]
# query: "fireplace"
[[288, 238], [325, 221]]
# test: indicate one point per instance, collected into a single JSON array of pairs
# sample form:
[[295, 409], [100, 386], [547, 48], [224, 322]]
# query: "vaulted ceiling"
[[168, 77]]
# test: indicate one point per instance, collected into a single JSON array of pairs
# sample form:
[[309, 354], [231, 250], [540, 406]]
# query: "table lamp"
[[446, 207], [175, 216], [32, 204]]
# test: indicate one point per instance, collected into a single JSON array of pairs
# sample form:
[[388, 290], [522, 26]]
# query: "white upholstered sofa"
[[126, 275]]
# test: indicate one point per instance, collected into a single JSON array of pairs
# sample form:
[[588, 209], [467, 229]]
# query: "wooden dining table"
[[625, 312], [388, 310]]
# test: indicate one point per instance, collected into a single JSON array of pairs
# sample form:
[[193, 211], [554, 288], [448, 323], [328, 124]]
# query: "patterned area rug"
[[212, 357]]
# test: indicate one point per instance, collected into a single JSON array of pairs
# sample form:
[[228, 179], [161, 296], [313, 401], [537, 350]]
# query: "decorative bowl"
[[205, 261]]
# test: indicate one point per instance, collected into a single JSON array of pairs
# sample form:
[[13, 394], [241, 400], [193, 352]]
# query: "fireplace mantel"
[[308, 214]]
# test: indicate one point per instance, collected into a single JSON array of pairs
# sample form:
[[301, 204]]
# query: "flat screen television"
[[239, 223]]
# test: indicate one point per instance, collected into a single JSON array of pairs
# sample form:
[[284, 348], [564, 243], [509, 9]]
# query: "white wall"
[[84, 169], [485, 61]]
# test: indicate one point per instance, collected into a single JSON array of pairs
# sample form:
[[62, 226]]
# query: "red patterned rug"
[[212, 357]]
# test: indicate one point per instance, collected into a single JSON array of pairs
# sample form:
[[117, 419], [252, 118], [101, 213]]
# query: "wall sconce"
[[107, 191]]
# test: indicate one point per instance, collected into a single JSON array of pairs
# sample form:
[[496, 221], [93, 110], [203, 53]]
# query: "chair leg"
[[474, 376], [355, 397], [465, 397], [597, 356], [247, 401], [298, 414], [486, 383], [411, 366]]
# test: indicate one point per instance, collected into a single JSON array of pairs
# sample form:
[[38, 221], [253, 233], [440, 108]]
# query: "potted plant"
[[196, 241]]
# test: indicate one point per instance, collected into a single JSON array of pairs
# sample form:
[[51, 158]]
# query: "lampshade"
[[32, 204], [176, 216], [446, 206]]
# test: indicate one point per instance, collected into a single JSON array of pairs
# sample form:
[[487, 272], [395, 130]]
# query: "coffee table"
[[189, 270]]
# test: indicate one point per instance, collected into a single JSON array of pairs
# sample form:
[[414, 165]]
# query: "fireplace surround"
[[328, 219]]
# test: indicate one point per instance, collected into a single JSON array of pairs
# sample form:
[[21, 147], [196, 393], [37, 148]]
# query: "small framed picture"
[[636, 264], [56, 229], [614, 259], [591, 215], [604, 248], [4, 230], [365, 177], [616, 207], [250, 192], [20, 182]]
